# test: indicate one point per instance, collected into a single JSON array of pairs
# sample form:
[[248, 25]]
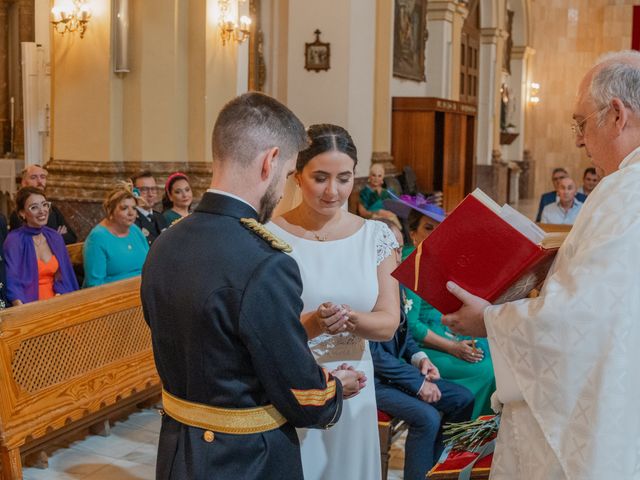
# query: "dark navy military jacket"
[[224, 310]]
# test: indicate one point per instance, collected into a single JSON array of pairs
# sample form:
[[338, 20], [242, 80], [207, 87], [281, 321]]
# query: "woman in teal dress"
[[115, 248], [462, 360], [177, 198]]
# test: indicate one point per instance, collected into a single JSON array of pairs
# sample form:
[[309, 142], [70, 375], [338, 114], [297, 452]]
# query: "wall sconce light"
[[534, 93], [71, 16], [229, 29]]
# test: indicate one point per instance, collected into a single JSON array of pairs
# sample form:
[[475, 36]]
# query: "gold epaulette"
[[260, 230]]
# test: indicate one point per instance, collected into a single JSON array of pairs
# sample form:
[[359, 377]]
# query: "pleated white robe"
[[574, 352]]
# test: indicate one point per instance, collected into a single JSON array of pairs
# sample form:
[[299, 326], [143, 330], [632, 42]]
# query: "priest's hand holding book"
[[469, 319]]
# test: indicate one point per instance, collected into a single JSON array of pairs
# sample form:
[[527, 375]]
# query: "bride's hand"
[[332, 318], [352, 318]]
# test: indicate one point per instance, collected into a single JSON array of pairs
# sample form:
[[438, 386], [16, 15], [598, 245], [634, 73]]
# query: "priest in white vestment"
[[568, 362]]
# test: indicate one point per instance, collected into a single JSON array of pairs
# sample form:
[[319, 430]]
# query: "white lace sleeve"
[[385, 242]]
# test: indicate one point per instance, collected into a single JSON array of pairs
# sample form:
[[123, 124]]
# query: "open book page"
[[487, 201], [521, 223]]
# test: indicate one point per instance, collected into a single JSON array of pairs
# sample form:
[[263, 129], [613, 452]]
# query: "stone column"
[[514, 183], [4, 80], [527, 177], [488, 98], [444, 17], [382, 86]]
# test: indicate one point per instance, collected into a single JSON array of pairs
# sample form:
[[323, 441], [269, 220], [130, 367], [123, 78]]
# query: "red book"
[[493, 252]]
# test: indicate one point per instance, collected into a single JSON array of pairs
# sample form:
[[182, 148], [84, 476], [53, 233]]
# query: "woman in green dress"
[[462, 360]]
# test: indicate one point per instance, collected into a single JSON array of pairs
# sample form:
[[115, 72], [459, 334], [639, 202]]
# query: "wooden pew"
[[69, 362], [75, 253]]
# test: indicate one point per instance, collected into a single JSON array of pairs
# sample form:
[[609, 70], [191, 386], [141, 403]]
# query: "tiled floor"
[[129, 453]]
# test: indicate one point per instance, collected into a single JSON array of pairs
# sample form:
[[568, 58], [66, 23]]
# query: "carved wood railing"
[[67, 362]]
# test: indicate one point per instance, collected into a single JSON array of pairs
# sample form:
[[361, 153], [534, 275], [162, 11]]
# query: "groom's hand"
[[469, 319], [352, 380]]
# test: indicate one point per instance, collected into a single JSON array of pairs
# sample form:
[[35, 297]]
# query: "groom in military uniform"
[[223, 302]]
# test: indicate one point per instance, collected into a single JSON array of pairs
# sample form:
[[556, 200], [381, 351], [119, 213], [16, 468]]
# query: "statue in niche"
[[507, 109]]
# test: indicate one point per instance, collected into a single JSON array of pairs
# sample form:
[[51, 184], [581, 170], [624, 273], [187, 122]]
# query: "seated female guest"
[[116, 248], [177, 198], [373, 195], [37, 262], [462, 360]]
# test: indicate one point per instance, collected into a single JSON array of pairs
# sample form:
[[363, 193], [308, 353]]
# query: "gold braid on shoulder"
[[260, 230]]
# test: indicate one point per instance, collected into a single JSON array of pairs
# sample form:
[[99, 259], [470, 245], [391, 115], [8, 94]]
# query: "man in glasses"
[[566, 362], [36, 176], [151, 222], [552, 197]]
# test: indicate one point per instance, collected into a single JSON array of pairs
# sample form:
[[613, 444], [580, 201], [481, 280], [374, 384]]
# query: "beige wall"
[[163, 110], [344, 94], [568, 37]]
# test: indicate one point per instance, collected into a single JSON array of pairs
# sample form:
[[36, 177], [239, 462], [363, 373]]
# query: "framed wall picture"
[[409, 38], [317, 55]]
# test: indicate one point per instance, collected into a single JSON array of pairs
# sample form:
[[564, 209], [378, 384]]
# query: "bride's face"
[[326, 181]]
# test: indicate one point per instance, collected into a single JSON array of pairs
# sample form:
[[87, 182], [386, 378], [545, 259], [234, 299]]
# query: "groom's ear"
[[269, 163]]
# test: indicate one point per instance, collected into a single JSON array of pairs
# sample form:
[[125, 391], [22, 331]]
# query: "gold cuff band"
[[236, 421]]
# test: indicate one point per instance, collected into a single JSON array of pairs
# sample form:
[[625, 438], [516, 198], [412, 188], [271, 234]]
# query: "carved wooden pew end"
[[70, 364]]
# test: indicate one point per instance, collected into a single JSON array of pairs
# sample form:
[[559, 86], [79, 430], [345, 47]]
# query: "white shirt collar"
[[222, 192], [629, 157], [144, 212]]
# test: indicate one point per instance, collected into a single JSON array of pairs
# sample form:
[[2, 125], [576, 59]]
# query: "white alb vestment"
[[574, 352]]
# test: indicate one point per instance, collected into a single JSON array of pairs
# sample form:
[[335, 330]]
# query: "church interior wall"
[[568, 37], [161, 112], [344, 94]]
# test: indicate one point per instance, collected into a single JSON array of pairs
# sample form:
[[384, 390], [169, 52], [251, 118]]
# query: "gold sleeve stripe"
[[316, 397]]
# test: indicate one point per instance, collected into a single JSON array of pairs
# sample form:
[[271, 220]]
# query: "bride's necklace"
[[318, 236]]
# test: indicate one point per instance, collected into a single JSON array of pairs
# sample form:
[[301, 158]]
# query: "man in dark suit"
[[151, 223], [551, 197], [223, 303], [36, 176], [409, 387]]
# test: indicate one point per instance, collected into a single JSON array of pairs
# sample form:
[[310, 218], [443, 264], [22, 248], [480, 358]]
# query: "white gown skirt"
[[351, 448]]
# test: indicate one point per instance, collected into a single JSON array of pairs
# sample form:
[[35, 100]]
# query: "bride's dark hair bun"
[[325, 137]]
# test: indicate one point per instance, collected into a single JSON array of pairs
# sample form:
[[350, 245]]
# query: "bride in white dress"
[[349, 296]]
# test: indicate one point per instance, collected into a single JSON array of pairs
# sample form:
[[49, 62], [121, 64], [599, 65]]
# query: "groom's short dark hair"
[[252, 123]]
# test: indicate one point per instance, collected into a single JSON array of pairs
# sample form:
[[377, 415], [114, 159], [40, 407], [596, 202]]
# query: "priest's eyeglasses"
[[38, 207], [578, 127]]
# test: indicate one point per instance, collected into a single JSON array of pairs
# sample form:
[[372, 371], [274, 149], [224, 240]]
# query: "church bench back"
[[67, 360], [75, 253]]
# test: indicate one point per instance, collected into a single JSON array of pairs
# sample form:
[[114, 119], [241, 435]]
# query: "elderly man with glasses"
[[566, 362]]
